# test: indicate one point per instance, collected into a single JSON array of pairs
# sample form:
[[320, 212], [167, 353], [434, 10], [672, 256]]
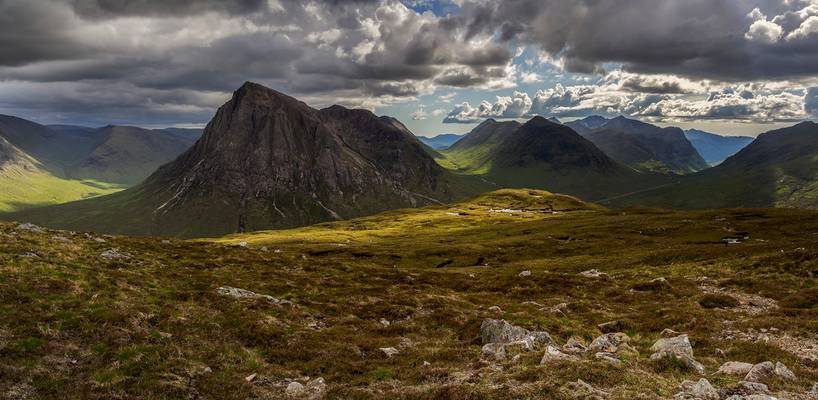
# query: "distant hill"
[[74, 162], [546, 155], [441, 142], [642, 146], [267, 160], [127, 155], [716, 148], [778, 169]]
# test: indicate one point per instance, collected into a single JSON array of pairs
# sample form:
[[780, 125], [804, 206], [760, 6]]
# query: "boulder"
[[609, 342], [594, 273], [500, 331], [734, 368], [766, 370], [238, 293], [574, 345], [553, 354], [494, 351], [295, 389], [701, 390], [389, 351], [495, 309], [783, 372], [316, 388], [679, 348], [524, 274]]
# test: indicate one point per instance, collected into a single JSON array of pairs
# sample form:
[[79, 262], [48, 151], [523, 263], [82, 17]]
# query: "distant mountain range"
[[778, 169], [267, 160], [65, 163], [716, 148], [641, 146], [543, 154], [441, 142]]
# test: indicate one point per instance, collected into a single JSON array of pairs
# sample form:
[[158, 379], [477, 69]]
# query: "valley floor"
[[391, 306]]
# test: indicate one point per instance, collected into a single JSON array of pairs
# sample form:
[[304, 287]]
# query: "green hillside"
[[545, 155], [145, 318], [778, 169]]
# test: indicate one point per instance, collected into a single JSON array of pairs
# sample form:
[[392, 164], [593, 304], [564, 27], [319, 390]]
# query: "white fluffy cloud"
[[662, 98]]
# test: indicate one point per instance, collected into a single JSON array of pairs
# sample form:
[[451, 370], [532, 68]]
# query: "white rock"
[[295, 389], [609, 342], [679, 348], [114, 254], [609, 357], [734, 368], [249, 378], [29, 227], [783, 372], [389, 351], [238, 293], [553, 354], [701, 390], [594, 273], [495, 309], [524, 274], [494, 351]]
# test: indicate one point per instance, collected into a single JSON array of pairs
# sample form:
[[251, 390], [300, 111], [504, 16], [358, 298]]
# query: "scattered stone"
[[426, 364], [783, 372], [760, 372], [609, 342], [679, 348], [384, 322], [752, 388], [114, 254], [249, 378], [701, 390], [553, 354], [389, 351], [802, 347], [495, 351], [238, 293], [295, 389], [582, 389], [405, 343], [574, 345], [242, 244], [609, 357], [814, 390], [594, 273], [29, 227], [495, 309], [61, 239], [316, 388], [29, 254], [500, 331], [612, 326], [559, 308], [734, 368], [524, 274]]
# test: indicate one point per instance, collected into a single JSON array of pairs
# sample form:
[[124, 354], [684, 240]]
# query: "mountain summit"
[[267, 160]]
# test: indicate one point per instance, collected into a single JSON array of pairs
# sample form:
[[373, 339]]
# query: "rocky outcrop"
[[503, 340], [679, 348]]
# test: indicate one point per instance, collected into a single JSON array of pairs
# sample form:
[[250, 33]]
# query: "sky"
[[735, 67]]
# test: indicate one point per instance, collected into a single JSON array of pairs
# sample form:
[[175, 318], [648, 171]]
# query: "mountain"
[[778, 169], [641, 146], [441, 142], [127, 155], [543, 154], [267, 160], [68, 163], [716, 148]]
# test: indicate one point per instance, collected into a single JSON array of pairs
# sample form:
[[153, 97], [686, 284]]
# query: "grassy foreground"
[[83, 316]]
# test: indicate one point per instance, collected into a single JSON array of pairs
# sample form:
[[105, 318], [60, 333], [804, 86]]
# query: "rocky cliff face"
[[267, 160]]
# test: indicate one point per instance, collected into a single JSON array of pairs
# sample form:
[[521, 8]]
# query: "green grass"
[[74, 325], [25, 189]]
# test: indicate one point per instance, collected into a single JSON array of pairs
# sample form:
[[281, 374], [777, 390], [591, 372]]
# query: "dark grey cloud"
[[162, 8], [33, 31], [699, 38]]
